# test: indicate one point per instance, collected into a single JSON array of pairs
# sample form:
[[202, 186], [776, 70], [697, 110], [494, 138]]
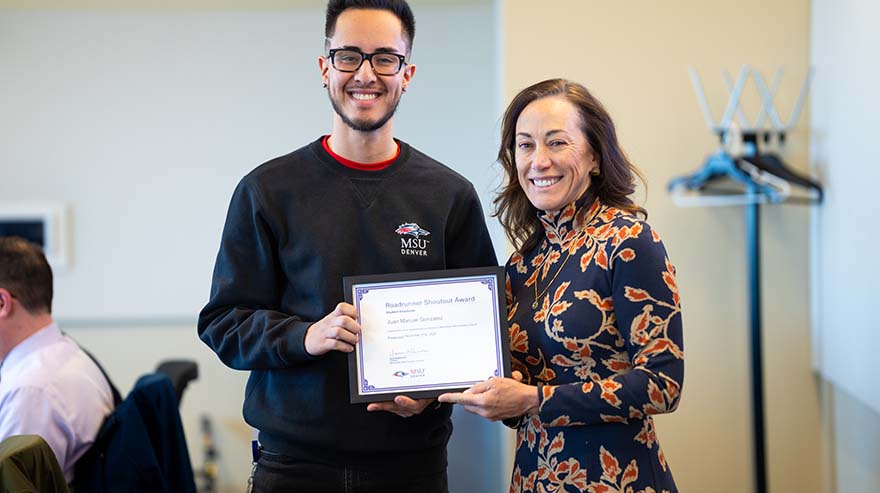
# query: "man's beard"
[[363, 125]]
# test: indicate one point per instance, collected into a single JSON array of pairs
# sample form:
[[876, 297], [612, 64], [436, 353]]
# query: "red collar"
[[356, 165]]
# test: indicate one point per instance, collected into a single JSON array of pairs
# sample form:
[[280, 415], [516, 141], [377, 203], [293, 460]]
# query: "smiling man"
[[355, 202]]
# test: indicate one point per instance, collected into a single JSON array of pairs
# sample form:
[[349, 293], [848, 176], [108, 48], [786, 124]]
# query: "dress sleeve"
[[647, 310], [242, 322]]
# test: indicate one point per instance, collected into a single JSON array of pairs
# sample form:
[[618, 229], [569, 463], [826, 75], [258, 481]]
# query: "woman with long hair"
[[593, 309]]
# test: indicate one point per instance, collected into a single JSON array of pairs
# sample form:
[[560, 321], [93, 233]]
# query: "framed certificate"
[[427, 333]]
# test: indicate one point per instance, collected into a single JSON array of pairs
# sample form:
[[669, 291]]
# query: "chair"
[[141, 446], [27, 464], [181, 372]]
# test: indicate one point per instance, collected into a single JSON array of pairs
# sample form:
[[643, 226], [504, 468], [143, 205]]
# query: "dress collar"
[[556, 224]]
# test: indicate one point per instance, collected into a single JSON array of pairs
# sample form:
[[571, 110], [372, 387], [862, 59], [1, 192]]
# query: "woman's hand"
[[497, 398]]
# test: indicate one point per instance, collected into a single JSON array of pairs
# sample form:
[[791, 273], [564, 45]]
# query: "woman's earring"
[[324, 84], [594, 171]]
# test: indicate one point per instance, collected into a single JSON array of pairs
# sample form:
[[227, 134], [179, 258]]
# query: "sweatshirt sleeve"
[[647, 308], [242, 322], [467, 239]]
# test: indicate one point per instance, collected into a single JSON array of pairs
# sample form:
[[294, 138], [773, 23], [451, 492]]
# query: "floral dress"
[[595, 321]]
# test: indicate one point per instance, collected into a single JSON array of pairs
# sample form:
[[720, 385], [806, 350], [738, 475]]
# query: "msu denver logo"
[[413, 373], [411, 242]]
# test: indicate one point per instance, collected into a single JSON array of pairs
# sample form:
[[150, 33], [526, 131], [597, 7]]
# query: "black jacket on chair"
[[141, 446]]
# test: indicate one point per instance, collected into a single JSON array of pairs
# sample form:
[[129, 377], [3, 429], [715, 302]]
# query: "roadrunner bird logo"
[[411, 229]]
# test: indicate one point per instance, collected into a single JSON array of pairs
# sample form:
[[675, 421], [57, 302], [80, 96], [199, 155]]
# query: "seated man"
[[48, 385]]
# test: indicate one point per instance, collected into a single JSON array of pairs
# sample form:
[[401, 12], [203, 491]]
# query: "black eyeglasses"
[[345, 60]]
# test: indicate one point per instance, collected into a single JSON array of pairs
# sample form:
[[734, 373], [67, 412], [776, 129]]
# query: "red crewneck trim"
[[356, 165]]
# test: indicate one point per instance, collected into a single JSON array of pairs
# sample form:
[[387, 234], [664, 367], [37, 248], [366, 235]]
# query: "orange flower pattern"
[[605, 342]]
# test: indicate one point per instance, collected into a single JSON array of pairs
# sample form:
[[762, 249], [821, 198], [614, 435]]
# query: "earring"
[[594, 171], [404, 89], [324, 84]]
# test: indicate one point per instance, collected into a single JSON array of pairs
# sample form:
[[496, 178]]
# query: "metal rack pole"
[[753, 233]]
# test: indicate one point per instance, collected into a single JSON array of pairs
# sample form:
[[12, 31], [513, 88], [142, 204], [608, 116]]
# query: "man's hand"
[[497, 398], [338, 331], [402, 406]]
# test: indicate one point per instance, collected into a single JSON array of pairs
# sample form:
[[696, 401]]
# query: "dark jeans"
[[280, 474]]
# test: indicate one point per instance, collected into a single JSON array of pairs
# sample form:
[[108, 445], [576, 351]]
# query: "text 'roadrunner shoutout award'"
[[426, 333]]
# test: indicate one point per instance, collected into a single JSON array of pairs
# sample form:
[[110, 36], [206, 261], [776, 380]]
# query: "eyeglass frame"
[[331, 55]]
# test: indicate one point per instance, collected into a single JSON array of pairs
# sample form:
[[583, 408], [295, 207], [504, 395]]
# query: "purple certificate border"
[[365, 388]]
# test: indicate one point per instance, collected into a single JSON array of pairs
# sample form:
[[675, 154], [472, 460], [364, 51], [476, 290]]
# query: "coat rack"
[[740, 174]]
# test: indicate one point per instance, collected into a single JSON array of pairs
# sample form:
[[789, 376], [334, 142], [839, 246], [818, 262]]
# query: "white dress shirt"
[[51, 388]]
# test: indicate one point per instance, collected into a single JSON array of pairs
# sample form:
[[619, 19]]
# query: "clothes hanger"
[[765, 176], [769, 161], [719, 170]]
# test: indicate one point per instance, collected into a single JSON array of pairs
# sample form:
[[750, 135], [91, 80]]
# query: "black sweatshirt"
[[296, 225]]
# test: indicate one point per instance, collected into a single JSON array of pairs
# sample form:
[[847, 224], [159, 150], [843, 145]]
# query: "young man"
[[48, 385], [299, 223]]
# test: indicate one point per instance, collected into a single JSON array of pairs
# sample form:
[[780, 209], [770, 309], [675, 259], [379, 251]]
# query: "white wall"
[[854, 444], [143, 121], [845, 120], [142, 124]]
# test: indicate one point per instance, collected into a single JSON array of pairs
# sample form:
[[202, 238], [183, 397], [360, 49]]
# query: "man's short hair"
[[397, 7], [25, 272]]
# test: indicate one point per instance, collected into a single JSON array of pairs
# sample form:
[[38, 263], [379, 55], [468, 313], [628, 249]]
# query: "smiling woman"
[[593, 309], [554, 161], [558, 141]]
